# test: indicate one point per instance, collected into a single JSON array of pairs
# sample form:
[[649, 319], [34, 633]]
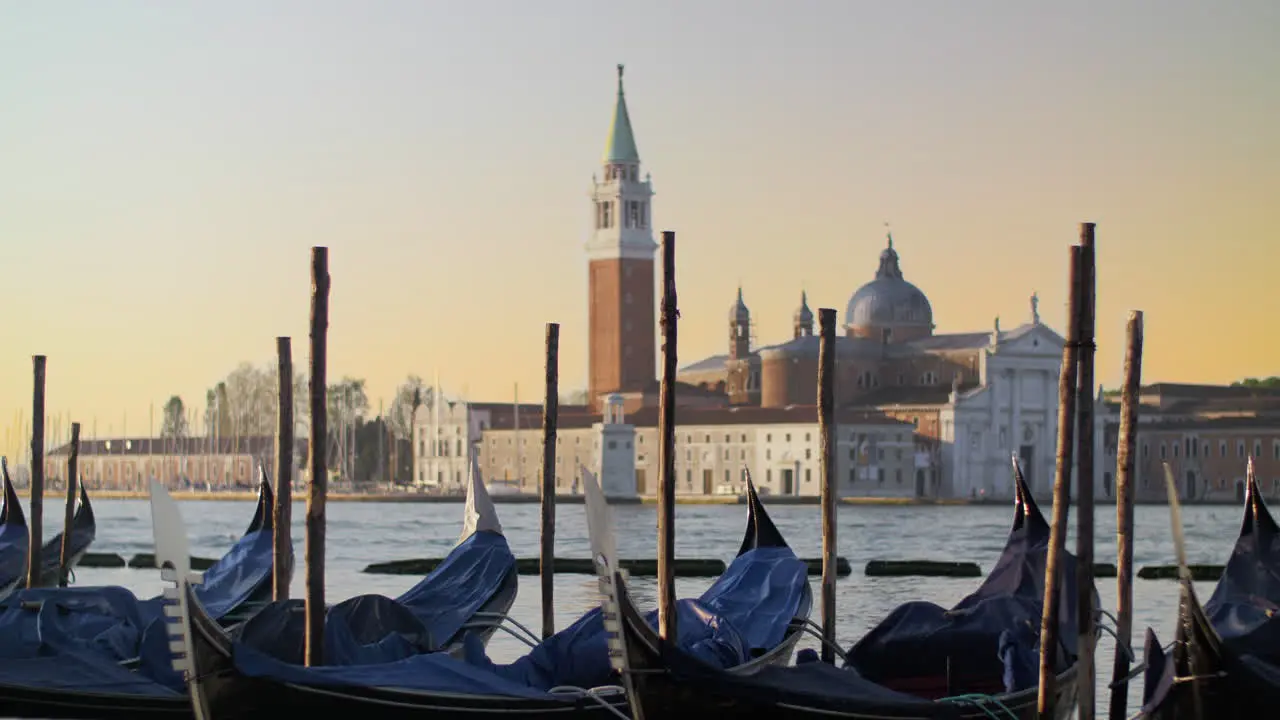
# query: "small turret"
[[804, 317], [739, 329]]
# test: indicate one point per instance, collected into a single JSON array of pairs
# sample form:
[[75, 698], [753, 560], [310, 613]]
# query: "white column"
[[1048, 456], [1015, 420]]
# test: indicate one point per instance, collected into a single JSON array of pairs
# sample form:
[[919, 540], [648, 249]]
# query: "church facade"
[[921, 414], [975, 399]]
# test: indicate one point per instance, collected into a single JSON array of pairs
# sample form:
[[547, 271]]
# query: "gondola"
[[14, 539], [99, 652], [84, 529], [976, 660], [1225, 660], [233, 680], [470, 591]]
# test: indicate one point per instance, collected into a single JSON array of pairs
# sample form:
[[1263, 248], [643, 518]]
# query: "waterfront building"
[[181, 463], [446, 431], [714, 446], [1206, 433]]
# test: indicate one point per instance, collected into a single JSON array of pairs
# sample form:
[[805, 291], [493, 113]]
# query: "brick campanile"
[[622, 346]]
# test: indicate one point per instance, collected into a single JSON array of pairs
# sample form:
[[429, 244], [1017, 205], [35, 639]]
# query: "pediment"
[[1032, 340]]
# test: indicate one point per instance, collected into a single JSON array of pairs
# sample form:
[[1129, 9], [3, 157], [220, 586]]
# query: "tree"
[[246, 402], [174, 421], [400, 415], [1270, 383], [347, 401]]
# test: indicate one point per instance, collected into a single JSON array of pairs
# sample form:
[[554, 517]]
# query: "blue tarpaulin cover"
[[469, 576], [993, 634], [430, 672], [363, 630], [79, 671], [371, 629], [746, 611], [228, 583], [109, 625]]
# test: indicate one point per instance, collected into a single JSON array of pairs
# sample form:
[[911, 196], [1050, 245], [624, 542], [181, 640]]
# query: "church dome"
[[889, 301]]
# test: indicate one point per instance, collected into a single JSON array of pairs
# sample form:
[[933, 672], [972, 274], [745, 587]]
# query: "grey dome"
[[889, 300]]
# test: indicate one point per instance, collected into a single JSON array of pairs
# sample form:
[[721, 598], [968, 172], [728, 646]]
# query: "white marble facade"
[[1013, 410]]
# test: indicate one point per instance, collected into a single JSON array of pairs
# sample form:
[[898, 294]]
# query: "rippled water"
[[363, 533]]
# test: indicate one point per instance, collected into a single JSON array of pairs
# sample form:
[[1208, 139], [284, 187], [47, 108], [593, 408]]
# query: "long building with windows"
[[182, 463]]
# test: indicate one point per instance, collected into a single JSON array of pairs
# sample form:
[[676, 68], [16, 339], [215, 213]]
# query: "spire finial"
[[889, 233], [621, 145]]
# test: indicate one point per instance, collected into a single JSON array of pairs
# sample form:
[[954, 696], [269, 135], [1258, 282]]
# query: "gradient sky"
[[165, 169]]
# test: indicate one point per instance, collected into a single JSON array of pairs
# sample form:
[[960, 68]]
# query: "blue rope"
[[981, 702]]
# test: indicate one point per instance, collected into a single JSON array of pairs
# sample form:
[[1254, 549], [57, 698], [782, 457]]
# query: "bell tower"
[[622, 347], [739, 329]]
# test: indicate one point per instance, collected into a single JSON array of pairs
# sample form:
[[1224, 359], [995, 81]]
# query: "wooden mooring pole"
[[282, 522], [1061, 492], [35, 523], [69, 513], [666, 445], [315, 607], [1126, 444], [1086, 675], [827, 460], [550, 414]]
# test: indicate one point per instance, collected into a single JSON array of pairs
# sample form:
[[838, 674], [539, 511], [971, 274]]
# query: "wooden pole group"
[[1085, 609], [1067, 396]]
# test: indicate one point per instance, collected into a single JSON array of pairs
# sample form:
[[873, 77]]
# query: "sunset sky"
[[165, 169]]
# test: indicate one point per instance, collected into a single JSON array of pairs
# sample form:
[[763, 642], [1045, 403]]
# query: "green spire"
[[621, 145]]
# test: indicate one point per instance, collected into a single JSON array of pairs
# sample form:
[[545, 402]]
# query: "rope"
[[594, 694], [981, 702]]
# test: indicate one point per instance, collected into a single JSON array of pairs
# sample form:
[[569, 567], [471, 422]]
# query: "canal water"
[[363, 533]]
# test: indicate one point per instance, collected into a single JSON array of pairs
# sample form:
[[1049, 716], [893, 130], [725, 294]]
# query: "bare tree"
[[174, 421], [246, 402], [400, 416]]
